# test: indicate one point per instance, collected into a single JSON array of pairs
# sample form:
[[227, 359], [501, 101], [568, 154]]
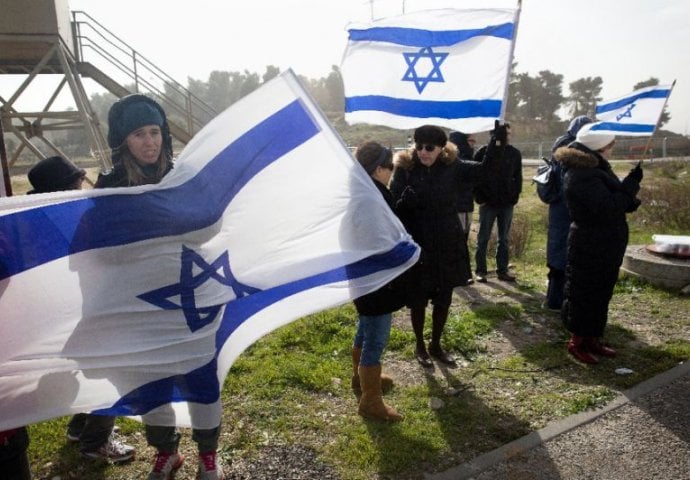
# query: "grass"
[[293, 386]]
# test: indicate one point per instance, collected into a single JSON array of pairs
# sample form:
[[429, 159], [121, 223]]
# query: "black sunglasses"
[[427, 147]]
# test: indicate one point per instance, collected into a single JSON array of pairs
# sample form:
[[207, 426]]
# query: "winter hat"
[[592, 139], [430, 134], [458, 138], [577, 123], [131, 113], [54, 174]]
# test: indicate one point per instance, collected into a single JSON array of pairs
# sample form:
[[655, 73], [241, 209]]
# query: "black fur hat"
[[54, 174], [430, 134]]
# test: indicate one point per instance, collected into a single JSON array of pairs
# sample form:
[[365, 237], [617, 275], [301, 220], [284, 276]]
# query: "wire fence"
[[627, 148]]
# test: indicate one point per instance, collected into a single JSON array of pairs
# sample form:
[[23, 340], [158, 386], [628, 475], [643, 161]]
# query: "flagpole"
[[658, 121], [6, 181], [510, 63]]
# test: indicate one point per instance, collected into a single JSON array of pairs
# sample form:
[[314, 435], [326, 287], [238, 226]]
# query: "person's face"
[[427, 153], [606, 151], [145, 144], [471, 140]]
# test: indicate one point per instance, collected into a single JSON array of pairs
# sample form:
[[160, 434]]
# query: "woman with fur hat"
[[141, 144], [425, 185], [598, 203]]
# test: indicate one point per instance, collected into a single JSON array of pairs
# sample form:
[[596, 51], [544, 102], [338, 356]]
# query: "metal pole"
[[6, 185]]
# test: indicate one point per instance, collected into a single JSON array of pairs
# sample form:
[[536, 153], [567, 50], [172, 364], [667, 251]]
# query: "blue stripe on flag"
[[414, 37], [424, 108], [201, 385], [624, 127], [607, 107], [40, 235]]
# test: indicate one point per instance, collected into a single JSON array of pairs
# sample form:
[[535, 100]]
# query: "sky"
[[622, 41]]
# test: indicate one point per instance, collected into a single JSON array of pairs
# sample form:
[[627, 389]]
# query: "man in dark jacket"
[[497, 195]]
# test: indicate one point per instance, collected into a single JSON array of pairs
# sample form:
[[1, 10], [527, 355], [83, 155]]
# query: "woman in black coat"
[[598, 202], [425, 185]]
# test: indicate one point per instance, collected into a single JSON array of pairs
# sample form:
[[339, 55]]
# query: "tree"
[[584, 95], [653, 82], [537, 98], [271, 72]]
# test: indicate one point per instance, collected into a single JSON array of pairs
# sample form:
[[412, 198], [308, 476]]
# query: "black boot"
[[439, 315], [417, 317]]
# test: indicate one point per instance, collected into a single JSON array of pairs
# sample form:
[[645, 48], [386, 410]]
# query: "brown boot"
[[386, 381], [371, 404]]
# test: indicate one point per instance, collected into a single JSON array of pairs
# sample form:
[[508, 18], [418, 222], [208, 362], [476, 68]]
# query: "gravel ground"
[[646, 438]]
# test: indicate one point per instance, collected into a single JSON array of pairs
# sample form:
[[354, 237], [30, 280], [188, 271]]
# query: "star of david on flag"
[[634, 114], [430, 67], [136, 301]]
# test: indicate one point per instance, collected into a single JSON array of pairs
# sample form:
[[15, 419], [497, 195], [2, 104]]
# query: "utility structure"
[[40, 38]]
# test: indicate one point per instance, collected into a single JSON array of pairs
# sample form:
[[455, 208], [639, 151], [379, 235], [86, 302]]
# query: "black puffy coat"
[[432, 218], [598, 202], [391, 296]]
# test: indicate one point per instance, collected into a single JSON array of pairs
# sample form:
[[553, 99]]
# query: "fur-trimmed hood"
[[407, 159], [572, 157]]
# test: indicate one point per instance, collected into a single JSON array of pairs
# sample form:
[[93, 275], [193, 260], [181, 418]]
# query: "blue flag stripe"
[[201, 385], [40, 235], [607, 107], [425, 108], [413, 37], [624, 127]]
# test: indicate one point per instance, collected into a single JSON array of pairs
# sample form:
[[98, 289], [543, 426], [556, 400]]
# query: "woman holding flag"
[[141, 144]]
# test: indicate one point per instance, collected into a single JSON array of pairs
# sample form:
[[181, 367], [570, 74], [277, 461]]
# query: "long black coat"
[[597, 239], [432, 218]]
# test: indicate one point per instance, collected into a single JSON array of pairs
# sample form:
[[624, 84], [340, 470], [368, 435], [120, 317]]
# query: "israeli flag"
[[635, 114], [136, 301], [445, 67]]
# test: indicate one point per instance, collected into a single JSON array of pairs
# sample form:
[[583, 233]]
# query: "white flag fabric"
[[137, 301], [635, 114], [444, 67]]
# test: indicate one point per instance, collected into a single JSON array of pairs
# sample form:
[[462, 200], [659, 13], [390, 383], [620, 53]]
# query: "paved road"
[[643, 435]]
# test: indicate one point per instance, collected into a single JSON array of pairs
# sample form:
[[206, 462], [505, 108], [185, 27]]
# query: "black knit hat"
[[54, 174], [430, 134], [131, 113]]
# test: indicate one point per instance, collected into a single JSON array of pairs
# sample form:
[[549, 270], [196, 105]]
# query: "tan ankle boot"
[[386, 381], [371, 404]]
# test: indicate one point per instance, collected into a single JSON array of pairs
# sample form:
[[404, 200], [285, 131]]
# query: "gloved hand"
[[408, 198], [631, 185], [636, 173], [499, 133]]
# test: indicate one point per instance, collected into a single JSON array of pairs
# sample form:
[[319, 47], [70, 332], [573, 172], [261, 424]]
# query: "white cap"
[[592, 139]]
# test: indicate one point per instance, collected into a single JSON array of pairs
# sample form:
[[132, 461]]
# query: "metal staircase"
[[81, 48]]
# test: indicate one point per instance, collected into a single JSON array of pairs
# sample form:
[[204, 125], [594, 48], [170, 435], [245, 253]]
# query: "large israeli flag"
[[635, 114], [445, 67], [136, 301]]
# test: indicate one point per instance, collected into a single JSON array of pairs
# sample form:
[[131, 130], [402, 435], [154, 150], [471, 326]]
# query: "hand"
[[636, 173], [631, 185], [408, 198], [499, 133]]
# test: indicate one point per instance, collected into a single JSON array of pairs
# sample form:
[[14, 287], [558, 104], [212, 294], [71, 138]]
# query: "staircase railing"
[[97, 45]]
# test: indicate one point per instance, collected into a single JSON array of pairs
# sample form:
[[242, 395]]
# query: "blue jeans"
[[503, 217], [372, 336]]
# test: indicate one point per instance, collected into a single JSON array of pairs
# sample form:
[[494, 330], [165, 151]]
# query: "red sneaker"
[[594, 345], [577, 350]]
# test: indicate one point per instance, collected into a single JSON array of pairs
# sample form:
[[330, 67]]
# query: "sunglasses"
[[428, 148]]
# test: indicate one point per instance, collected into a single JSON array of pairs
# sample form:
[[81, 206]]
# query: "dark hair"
[[430, 134], [372, 155]]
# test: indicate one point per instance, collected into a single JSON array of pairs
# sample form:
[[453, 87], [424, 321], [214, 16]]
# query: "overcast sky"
[[623, 41]]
